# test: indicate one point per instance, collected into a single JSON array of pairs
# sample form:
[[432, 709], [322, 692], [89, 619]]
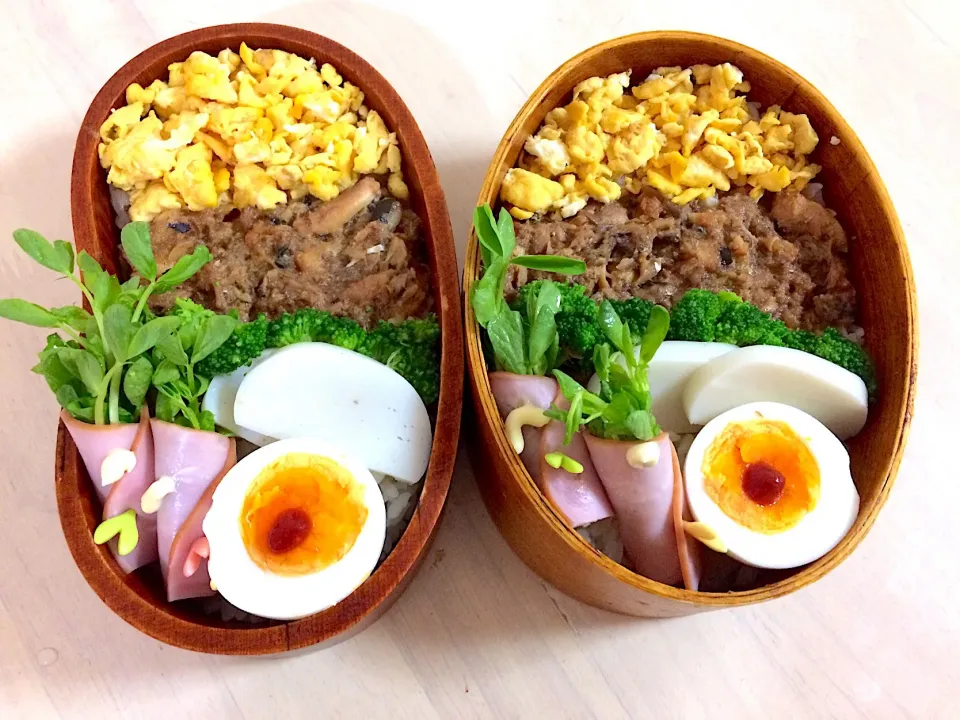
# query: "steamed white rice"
[[400, 499], [604, 535]]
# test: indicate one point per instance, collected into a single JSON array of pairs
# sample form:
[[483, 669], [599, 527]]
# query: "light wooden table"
[[477, 634]]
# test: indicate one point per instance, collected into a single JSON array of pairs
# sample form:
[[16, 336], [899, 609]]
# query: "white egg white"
[[818, 532], [832, 394], [673, 364], [260, 592], [347, 399]]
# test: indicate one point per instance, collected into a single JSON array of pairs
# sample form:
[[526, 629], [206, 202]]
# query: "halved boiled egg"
[[772, 483], [294, 528]]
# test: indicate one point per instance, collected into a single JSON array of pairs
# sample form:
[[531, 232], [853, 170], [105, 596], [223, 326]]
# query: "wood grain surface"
[[887, 312], [140, 598], [477, 634]]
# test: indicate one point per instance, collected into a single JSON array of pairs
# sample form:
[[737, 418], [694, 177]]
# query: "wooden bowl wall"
[[139, 598], [882, 274]]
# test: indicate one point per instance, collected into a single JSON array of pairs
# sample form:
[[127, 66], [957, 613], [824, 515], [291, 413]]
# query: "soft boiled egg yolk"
[[762, 475], [302, 513]]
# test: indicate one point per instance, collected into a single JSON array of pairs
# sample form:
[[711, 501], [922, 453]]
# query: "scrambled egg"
[[256, 128], [688, 133]]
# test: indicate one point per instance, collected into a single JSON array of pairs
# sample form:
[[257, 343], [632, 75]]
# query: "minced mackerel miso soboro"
[[253, 402], [671, 328]]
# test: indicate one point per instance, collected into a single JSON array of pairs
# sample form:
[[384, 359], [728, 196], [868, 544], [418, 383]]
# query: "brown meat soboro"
[[361, 256], [789, 260]]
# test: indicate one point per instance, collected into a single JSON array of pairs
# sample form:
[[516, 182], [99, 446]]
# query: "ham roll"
[[650, 505], [195, 461], [579, 497], [512, 391], [96, 443]]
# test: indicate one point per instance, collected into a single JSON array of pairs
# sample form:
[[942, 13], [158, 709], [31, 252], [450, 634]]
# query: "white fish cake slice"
[[351, 402], [834, 396]]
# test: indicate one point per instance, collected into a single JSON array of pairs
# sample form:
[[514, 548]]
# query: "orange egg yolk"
[[762, 475], [301, 514]]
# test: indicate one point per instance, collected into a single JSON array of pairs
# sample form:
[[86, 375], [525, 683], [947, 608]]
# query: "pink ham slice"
[[197, 461], [581, 497], [512, 391], [648, 502], [95, 442], [689, 550]]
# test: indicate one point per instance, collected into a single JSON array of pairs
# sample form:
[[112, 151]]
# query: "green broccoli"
[[575, 301], [312, 325], [296, 327], [578, 326], [741, 323], [191, 314], [694, 316], [421, 370], [416, 332], [412, 349], [833, 346], [573, 298], [340, 331], [578, 333], [524, 293], [244, 346], [635, 313], [700, 316], [801, 340]]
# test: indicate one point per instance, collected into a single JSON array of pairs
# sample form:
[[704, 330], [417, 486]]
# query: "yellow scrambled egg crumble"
[[252, 129], [688, 133]]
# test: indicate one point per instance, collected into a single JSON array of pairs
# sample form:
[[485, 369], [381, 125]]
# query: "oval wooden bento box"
[[139, 598], [888, 313]]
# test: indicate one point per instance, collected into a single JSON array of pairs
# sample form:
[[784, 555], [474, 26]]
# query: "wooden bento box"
[[139, 597], [881, 273]]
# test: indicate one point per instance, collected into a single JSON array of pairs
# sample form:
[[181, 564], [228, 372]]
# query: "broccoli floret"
[[573, 298], [416, 332], [575, 301], [349, 336], [801, 340], [699, 316], [833, 346], [244, 346], [578, 333], [578, 326], [422, 330], [523, 294], [412, 349], [635, 313], [420, 370], [340, 331], [296, 327], [190, 313], [694, 316], [743, 324], [312, 325]]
